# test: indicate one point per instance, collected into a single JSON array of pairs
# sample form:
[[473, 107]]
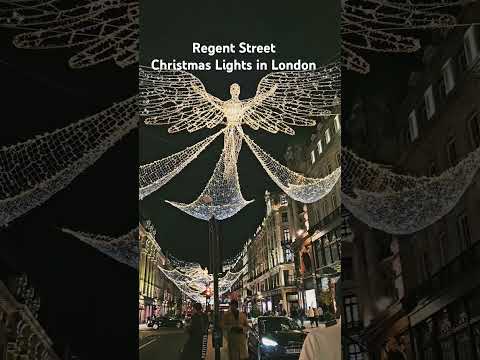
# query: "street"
[[163, 343]]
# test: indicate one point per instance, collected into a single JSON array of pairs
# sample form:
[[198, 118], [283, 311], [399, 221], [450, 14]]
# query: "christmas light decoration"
[[34, 170], [374, 25], [193, 281], [101, 30], [298, 187], [223, 187], [400, 204], [123, 249], [154, 175], [180, 100]]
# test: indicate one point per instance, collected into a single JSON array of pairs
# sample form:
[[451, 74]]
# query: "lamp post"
[[215, 261]]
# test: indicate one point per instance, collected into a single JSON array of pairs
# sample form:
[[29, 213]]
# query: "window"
[[334, 201], [284, 217], [286, 234], [440, 92], [429, 102], [354, 352], [413, 126], [461, 62], [422, 113], [329, 169], [319, 146], [470, 45], [339, 158], [464, 230], [351, 311], [448, 76], [283, 200], [474, 128], [327, 136], [336, 123], [452, 152], [325, 208], [433, 169], [312, 156]]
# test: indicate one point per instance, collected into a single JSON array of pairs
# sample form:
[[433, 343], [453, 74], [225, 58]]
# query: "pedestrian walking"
[[317, 314], [234, 324], [192, 350], [311, 315], [325, 343], [320, 314], [302, 316]]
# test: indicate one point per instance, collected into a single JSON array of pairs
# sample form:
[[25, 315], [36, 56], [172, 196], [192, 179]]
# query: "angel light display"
[[283, 99], [377, 25], [99, 30]]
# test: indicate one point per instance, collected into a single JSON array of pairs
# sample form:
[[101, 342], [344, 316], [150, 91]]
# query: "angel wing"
[[294, 98], [100, 29], [179, 99], [373, 25]]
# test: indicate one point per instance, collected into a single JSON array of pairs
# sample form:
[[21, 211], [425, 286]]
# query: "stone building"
[[270, 259], [317, 227], [420, 293], [157, 294], [21, 335]]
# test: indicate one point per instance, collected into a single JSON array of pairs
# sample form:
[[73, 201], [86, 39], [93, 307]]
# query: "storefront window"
[[476, 340], [464, 346], [447, 349]]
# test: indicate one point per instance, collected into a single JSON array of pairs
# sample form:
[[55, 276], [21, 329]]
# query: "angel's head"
[[235, 91]]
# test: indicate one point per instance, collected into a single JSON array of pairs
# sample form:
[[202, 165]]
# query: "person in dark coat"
[[192, 349]]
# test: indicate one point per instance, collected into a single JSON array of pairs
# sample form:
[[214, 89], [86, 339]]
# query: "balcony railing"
[[335, 214], [467, 261]]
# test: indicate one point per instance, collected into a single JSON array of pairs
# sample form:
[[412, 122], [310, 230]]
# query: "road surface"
[[161, 344]]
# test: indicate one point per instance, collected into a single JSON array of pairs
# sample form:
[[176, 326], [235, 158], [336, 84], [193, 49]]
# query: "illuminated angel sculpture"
[[376, 25], [101, 30], [283, 99]]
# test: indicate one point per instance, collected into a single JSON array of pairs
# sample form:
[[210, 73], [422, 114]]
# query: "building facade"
[[157, 294], [271, 270], [318, 227], [21, 335], [419, 292]]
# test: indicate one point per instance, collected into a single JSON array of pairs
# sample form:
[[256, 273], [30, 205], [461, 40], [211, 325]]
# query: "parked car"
[[275, 337], [165, 321]]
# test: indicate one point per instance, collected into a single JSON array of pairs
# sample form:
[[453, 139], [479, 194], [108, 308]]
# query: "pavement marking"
[[148, 343]]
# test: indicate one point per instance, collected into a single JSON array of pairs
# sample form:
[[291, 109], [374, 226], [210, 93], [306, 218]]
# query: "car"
[[275, 338], [166, 321]]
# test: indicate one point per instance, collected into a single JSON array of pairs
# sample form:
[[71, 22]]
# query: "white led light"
[[180, 100], [268, 342], [376, 25], [401, 204], [101, 30], [34, 170]]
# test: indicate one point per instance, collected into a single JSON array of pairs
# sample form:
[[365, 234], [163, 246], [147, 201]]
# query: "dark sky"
[[310, 33], [88, 300]]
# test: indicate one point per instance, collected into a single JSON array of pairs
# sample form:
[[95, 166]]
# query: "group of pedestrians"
[[314, 315], [233, 324]]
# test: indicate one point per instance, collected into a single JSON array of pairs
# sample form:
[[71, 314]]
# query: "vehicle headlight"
[[269, 342]]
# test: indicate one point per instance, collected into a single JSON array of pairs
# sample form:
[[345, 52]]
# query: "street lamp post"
[[215, 261]]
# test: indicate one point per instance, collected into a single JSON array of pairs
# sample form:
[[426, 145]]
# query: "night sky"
[[167, 32], [88, 300]]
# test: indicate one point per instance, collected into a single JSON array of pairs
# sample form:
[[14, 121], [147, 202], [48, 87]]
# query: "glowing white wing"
[[294, 98], [33, 171], [375, 25], [101, 30], [177, 98], [400, 204], [123, 249]]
